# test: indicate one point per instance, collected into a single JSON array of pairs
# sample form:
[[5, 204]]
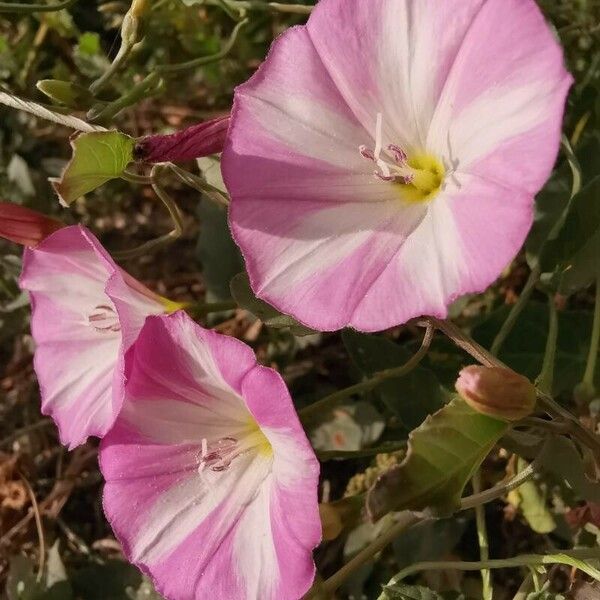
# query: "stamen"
[[399, 155], [104, 319], [218, 455], [366, 153]]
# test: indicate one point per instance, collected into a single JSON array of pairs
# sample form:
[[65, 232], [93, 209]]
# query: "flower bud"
[[194, 142], [497, 392], [25, 226]]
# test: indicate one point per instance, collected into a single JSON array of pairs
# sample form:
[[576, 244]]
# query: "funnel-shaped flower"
[[25, 226], [86, 312], [384, 159], [211, 484]]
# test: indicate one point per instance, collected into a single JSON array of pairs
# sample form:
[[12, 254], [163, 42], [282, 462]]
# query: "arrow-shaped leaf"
[[443, 454], [98, 157]]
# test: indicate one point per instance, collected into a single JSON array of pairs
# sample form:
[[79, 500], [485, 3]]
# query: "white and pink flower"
[[86, 313], [211, 484], [384, 159]]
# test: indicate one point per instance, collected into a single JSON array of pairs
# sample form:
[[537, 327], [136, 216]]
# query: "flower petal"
[[500, 113], [391, 56], [316, 261], [470, 234]]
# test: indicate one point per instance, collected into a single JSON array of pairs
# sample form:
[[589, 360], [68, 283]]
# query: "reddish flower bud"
[[497, 392], [25, 226], [194, 142]]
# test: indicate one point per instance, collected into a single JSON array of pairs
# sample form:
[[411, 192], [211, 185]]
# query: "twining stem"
[[590, 367], [482, 537], [405, 520], [516, 311], [139, 91], [205, 60], [258, 5], [545, 379], [33, 8], [572, 558], [329, 402]]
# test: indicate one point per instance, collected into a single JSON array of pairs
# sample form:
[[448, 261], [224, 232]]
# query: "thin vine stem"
[[329, 402], [241, 6], [590, 367], [572, 558], [545, 379], [482, 539], [405, 520], [205, 60], [516, 311], [10, 7]]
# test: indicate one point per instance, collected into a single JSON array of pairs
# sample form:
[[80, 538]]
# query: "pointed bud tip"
[[25, 226], [497, 392]]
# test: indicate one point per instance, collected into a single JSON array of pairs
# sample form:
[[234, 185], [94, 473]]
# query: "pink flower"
[[384, 159], [86, 312], [211, 484], [25, 226]]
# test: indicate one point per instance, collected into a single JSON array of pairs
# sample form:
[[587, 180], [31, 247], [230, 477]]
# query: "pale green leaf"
[[443, 454], [98, 157]]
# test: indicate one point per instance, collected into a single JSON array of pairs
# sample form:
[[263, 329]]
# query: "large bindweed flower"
[[384, 159], [211, 484], [86, 313]]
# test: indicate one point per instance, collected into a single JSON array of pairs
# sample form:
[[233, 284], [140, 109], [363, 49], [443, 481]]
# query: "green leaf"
[[550, 204], [412, 397], [98, 157], [111, 580], [524, 348], [22, 583], [242, 293], [89, 43], [428, 540], [561, 459], [443, 454], [576, 249], [220, 257]]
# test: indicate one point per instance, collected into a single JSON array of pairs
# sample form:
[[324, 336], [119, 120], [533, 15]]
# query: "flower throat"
[[419, 177]]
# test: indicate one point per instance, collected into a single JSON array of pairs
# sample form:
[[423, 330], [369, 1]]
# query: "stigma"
[[419, 177]]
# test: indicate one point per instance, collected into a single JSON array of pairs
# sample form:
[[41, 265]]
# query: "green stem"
[[138, 92], [590, 367], [405, 520], [201, 185], [205, 60], [33, 8], [482, 537], [572, 558], [480, 498], [516, 311], [326, 404], [524, 588], [546, 377], [325, 455], [203, 309], [244, 5]]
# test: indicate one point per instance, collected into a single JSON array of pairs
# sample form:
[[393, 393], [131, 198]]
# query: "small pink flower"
[[384, 159], [86, 312], [211, 484], [25, 226]]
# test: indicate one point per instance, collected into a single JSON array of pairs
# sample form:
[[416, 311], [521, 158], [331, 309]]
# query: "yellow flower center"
[[419, 176]]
